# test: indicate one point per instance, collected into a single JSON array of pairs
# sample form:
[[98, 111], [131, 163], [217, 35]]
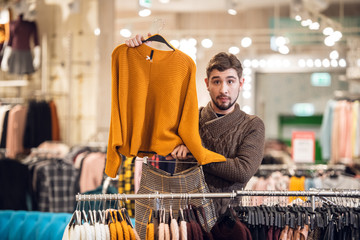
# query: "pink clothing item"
[[335, 136], [15, 131], [92, 171], [137, 173]]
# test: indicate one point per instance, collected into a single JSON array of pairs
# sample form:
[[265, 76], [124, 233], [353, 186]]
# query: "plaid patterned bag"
[[155, 180]]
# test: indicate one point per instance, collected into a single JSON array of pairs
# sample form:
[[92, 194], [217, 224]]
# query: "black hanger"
[[158, 38]]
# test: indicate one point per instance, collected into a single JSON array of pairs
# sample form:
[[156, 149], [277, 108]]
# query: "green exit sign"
[[321, 79]]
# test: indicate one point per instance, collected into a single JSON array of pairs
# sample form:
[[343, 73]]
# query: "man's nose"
[[224, 88]]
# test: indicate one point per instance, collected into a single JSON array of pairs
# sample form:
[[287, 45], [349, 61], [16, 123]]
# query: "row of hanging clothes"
[[103, 224], [322, 217], [48, 179], [300, 177], [26, 125], [340, 130]]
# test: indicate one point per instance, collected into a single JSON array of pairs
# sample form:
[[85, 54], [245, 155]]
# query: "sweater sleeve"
[[248, 158], [115, 134], [189, 126]]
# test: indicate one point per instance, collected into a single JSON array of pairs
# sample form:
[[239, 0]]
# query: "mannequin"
[[17, 58]]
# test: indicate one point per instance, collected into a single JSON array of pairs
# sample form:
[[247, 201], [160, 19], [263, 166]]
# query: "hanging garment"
[[126, 183], [154, 75], [16, 128], [230, 227], [92, 169], [55, 125], [15, 185], [156, 180]]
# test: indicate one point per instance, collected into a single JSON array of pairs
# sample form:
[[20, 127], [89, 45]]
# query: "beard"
[[224, 106]]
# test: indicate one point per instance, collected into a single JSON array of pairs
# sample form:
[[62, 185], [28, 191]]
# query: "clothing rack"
[[310, 167], [312, 194]]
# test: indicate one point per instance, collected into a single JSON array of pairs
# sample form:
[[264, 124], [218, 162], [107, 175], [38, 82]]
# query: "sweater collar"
[[219, 125]]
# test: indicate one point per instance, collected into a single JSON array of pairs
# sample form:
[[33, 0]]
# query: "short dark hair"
[[224, 61]]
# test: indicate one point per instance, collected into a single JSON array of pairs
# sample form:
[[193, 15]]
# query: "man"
[[225, 129]]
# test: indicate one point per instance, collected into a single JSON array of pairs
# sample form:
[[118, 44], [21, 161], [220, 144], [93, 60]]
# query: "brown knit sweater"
[[237, 136]]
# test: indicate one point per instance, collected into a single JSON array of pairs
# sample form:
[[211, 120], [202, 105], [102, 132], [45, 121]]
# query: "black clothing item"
[[38, 124], [4, 130], [15, 185]]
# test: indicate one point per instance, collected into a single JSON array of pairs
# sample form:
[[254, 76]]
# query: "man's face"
[[224, 88]]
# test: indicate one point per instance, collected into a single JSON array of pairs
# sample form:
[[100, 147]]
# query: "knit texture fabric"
[[240, 138], [154, 105]]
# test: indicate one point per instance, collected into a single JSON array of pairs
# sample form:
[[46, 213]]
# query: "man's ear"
[[242, 80], [207, 83]]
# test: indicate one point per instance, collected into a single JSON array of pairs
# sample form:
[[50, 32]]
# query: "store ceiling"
[[218, 5]]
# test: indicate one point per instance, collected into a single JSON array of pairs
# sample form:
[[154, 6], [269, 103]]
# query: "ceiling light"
[[342, 63], [97, 31], [334, 63], [247, 79], [192, 41], [337, 35], [207, 43], [334, 55], [145, 12], [262, 63], [286, 63], [246, 42], [247, 71], [164, 1], [280, 41], [328, 31], [329, 41], [326, 63], [284, 49], [247, 63], [234, 50], [247, 86], [317, 63], [302, 63], [298, 18], [255, 63], [306, 23], [125, 32], [309, 63], [232, 11], [314, 26], [175, 43], [246, 109], [246, 94]]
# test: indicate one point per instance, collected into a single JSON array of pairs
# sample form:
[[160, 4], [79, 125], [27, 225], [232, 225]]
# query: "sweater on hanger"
[[154, 105]]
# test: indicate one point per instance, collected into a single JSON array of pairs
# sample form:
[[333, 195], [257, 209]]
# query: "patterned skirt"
[[154, 180]]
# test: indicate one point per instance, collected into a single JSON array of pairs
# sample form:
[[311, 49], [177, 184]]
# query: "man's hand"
[[179, 152], [136, 41]]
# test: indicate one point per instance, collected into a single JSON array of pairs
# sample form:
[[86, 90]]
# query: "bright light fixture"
[[145, 12], [232, 11], [334, 55], [97, 31], [284, 49], [342, 62], [246, 42], [207, 43], [328, 30], [234, 50], [125, 32], [175, 43]]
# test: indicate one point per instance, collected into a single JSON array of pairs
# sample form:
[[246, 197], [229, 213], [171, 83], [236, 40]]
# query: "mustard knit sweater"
[[154, 105]]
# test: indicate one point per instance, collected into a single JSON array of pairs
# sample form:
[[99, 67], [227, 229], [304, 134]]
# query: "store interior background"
[[78, 36]]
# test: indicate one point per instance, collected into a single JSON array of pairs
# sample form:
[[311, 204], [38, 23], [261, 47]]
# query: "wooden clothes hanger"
[[159, 38]]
